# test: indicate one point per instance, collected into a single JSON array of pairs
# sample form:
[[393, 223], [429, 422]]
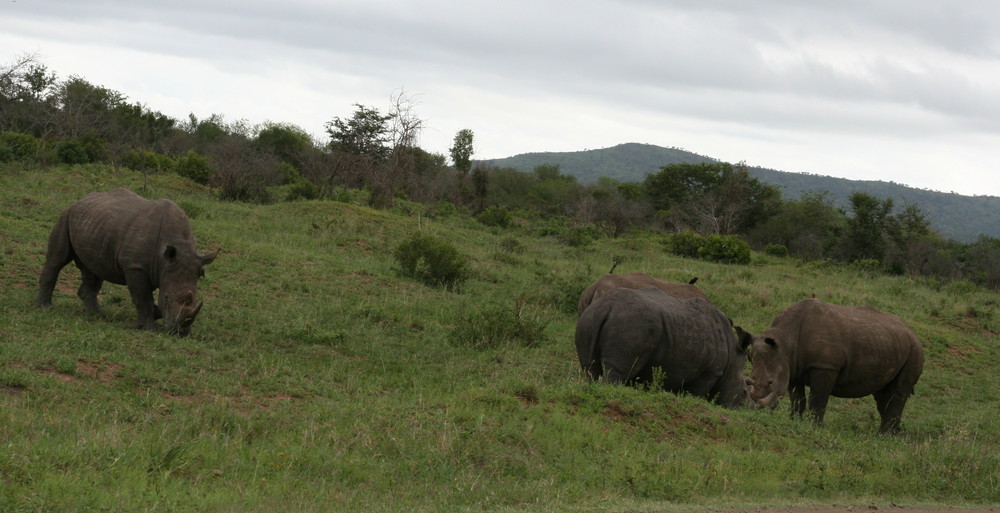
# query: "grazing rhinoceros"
[[627, 333], [120, 237], [609, 282], [844, 351]]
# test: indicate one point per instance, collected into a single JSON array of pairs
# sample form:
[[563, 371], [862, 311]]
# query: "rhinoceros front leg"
[[797, 396], [821, 385], [142, 297], [90, 287]]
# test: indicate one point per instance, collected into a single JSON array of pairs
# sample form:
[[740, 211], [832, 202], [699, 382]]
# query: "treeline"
[[709, 210]]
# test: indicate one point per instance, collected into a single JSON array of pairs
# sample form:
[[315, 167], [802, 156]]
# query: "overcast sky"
[[897, 90]]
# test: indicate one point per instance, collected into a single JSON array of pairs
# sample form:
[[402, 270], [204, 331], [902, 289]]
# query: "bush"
[[96, 147], [431, 260], [23, 146], [289, 174], [500, 326], [302, 189], [496, 216], [579, 236], [777, 250], [6, 153], [72, 152], [686, 244], [147, 161], [195, 167], [511, 245], [728, 249], [441, 209]]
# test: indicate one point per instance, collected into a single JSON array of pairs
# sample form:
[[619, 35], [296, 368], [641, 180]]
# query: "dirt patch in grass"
[[102, 372], [11, 391]]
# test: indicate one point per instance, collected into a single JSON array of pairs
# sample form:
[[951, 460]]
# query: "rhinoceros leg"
[[58, 254], [890, 408], [820, 387], [797, 396], [142, 297], [90, 286], [47, 281]]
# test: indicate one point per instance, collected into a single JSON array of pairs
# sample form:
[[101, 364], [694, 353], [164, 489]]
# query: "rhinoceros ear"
[[745, 338], [209, 258]]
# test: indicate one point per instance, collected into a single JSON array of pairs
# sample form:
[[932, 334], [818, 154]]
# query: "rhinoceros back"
[[627, 332], [110, 232]]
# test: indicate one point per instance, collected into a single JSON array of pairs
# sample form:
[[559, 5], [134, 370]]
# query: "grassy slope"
[[317, 379]]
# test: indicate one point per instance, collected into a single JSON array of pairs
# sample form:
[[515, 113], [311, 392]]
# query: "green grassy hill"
[[319, 379], [962, 218]]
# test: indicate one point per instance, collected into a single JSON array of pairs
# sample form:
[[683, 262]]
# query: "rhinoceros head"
[[768, 381], [178, 301]]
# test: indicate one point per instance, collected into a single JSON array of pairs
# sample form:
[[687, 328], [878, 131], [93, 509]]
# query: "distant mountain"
[[958, 217]]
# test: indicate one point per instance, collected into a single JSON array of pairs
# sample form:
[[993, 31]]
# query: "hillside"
[[319, 379], [962, 218]]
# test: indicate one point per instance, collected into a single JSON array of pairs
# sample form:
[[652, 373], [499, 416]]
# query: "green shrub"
[[72, 152], [868, 265], [685, 244], [244, 191], [96, 147], [302, 189], [23, 146], [511, 245], [777, 250], [563, 291], [496, 216], [499, 326], [580, 236], [431, 260], [441, 210], [727, 249], [146, 161], [6, 153], [289, 174], [551, 227], [195, 167]]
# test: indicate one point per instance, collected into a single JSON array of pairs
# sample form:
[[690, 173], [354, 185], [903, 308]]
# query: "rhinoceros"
[[609, 282], [120, 237], [843, 351], [627, 333]]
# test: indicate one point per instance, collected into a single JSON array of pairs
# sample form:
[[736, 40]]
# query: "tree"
[[711, 197], [461, 151], [809, 227], [286, 141], [868, 227], [27, 91], [612, 207], [366, 134]]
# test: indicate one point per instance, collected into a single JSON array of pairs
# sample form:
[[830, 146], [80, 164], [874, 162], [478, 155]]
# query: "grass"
[[318, 378]]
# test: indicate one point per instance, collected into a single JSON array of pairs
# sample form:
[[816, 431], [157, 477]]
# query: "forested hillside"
[[962, 218], [710, 209]]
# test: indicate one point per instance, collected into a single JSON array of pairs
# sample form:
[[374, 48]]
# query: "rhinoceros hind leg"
[[90, 286], [890, 405], [54, 262]]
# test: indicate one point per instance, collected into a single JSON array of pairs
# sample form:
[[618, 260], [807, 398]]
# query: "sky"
[[895, 90]]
